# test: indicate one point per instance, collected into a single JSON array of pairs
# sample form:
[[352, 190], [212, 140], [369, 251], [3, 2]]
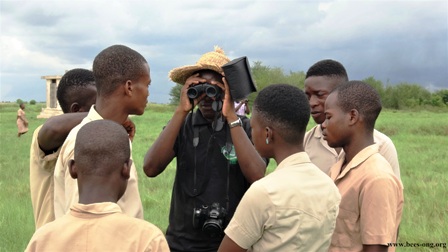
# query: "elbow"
[[150, 168]]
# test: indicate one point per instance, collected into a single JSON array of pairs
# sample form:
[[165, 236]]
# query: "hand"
[[129, 126], [228, 107], [184, 101]]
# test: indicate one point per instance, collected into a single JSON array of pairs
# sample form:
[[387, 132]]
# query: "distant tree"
[[376, 84], [175, 94], [19, 101], [443, 94], [33, 102]]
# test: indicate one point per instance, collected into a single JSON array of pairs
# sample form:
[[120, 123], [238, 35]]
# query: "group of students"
[[334, 187]]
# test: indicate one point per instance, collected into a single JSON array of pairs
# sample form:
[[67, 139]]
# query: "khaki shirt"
[[98, 227], [66, 188], [324, 156], [293, 208], [41, 182], [372, 202]]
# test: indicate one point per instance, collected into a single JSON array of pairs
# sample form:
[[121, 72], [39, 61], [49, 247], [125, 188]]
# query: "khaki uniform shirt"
[[41, 182], [66, 188], [293, 208], [98, 227], [372, 202], [324, 156]]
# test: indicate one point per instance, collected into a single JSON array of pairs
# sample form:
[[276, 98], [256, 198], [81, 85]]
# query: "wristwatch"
[[238, 122]]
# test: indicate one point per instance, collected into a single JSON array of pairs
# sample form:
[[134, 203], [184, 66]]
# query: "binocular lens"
[[212, 91]]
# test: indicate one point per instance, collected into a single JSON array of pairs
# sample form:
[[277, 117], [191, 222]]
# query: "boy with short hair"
[[372, 196], [122, 79], [102, 167]]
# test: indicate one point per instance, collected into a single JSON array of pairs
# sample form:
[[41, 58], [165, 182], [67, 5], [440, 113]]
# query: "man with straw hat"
[[216, 160]]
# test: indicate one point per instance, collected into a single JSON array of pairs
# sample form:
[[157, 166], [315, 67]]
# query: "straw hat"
[[211, 61]]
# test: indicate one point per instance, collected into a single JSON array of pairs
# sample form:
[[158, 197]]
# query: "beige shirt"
[[293, 208], [66, 188], [41, 182], [324, 156], [98, 227], [372, 202]]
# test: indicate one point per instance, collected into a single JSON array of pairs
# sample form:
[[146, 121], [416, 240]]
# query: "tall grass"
[[421, 139]]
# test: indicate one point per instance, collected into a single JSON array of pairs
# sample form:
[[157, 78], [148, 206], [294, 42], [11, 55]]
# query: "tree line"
[[400, 96]]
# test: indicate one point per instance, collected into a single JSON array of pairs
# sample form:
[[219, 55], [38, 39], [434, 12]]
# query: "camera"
[[210, 219], [209, 89]]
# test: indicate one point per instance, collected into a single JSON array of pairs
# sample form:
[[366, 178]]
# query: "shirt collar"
[[357, 160], [96, 208], [294, 159]]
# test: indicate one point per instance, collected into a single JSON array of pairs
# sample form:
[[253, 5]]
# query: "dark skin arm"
[[56, 129], [228, 245], [161, 153], [374, 248], [247, 111], [251, 163]]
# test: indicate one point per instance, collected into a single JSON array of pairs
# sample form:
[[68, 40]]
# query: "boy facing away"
[[102, 167]]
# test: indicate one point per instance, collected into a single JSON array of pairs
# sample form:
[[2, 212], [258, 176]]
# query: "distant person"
[[294, 208], [216, 161], [242, 107], [102, 167], [76, 93], [22, 122], [372, 196], [321, 78], [122, 79]]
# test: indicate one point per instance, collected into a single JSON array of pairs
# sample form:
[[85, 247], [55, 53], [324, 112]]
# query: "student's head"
[[22, 105], [76, 91], [279, 111], [122, 71], [321, 78], [352, 106], [102, 153]]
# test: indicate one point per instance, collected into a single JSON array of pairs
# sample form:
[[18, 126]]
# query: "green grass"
[[421, 139]]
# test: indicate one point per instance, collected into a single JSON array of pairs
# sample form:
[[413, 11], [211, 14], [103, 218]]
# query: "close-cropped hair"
[[71, 82], [100, 147], [114, 66], [285, 108], [362, 97], [327, 67]]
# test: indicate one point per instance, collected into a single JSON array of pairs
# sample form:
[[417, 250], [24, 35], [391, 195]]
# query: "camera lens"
[[213, 227]]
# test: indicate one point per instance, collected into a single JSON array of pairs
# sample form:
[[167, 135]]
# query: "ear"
[[269, 133], [353, 117], [74, 107], [128, 88], [72, 169], [126, 170]]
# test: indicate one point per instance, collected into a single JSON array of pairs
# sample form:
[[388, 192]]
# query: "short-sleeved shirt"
[[294, 208], [324, 156], [98, 227], [66, 188], [204, 176], [41, 181], [372, 202]]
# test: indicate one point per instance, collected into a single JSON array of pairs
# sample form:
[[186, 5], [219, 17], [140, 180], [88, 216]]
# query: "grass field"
[[421, 139]]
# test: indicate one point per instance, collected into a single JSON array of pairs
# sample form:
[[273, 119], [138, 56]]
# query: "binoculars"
[[210, 90]]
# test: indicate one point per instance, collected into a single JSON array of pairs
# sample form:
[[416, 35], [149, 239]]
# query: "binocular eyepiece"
[[210, 90]]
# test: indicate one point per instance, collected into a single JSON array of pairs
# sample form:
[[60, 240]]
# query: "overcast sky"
[[394, 41]]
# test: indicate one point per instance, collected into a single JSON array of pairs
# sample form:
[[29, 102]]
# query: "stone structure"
[[52, 107]]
